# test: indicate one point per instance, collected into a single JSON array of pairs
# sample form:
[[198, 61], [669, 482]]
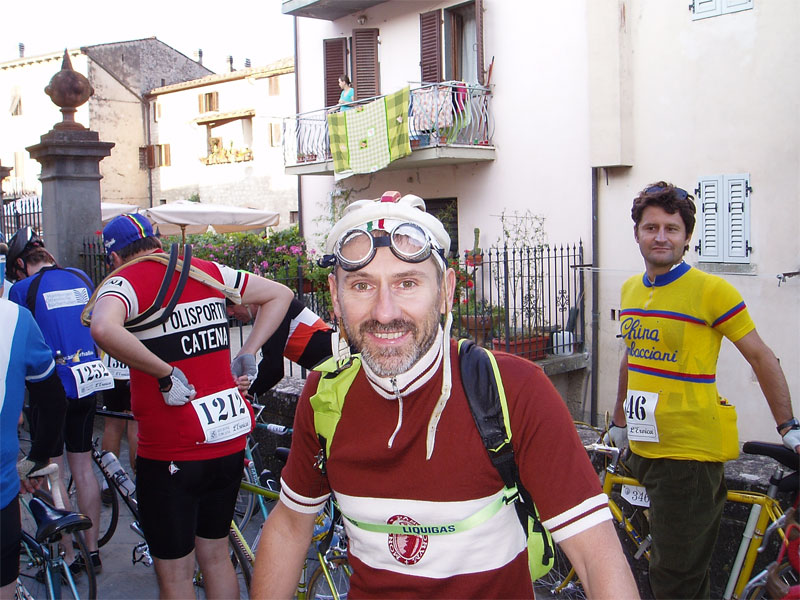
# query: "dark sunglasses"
[[655, 189]]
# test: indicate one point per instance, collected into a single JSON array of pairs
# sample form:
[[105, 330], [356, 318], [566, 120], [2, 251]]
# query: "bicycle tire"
[[318, 588], [91, 578], [109, 514], [245, 502], [786, 573], [561, 581], [32, 565], [242, 563]]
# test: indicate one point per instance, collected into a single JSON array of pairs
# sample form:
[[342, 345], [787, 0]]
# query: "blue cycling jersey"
[[24, 355], [59, 300]]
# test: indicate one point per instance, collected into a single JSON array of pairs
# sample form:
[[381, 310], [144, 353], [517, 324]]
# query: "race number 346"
[[640, 412]]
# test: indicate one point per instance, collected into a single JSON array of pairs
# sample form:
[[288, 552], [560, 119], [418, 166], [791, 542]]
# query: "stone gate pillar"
[[70, 156]]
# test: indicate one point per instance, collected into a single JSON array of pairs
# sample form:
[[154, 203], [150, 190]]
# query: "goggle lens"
[[407, 241]]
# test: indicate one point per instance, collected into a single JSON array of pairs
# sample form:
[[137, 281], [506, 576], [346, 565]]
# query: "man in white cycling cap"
[[406, 450]]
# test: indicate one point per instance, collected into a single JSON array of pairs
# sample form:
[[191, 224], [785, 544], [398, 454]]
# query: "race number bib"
[[91, 377], [118, 370], [640, 411], [223, 416], [636, 495]]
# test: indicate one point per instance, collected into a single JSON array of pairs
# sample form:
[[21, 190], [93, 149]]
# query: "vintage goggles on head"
[[408, 241]]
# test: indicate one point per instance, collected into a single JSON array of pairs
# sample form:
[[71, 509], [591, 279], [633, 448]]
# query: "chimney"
[[246, 63], [21, 50], [199, 55], [230, 63]]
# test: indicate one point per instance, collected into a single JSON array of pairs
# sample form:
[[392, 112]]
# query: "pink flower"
[[296, 250]]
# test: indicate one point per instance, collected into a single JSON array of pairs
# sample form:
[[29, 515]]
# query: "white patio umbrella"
[[195, 217], [109, 210]]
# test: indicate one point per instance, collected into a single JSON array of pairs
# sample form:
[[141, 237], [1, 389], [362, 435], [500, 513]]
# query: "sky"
[[253, 29]]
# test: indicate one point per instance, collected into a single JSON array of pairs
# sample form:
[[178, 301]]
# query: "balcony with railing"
[[448, 123]]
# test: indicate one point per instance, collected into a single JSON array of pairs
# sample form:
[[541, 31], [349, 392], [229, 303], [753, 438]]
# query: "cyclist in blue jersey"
[[56, 296], [25, 358]]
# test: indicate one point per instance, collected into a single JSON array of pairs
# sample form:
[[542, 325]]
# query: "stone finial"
[[68, 89]]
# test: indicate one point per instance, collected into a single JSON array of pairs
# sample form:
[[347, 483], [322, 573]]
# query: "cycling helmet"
[[20, 245]]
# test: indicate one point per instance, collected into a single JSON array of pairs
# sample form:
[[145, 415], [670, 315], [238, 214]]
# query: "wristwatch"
[[165, 383], [792, 423]]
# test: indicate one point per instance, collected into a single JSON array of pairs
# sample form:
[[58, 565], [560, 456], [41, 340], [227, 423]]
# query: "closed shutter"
[[737, 219], [335, 57], [430, 44], [729, 6], [366, 74], [710, 219], [479, 40], [706, 8]]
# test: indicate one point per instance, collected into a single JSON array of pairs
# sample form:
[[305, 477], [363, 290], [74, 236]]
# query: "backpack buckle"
[[511, 495]]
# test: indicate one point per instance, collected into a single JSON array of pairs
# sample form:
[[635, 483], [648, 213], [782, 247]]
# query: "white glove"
[[179, 391], [791, 439], [616, 436], [245, 364]]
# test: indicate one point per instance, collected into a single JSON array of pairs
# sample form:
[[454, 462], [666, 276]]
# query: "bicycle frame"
[[765, 511]]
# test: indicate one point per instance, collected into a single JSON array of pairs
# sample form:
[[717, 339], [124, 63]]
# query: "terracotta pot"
[[532, 348], [477, 326]]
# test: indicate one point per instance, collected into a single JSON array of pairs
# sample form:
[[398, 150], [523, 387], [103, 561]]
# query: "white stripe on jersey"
[[301, 504], [9, 315], [588, 513], [491, 544]]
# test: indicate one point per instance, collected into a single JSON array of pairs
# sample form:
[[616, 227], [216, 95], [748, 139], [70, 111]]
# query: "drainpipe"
[[595, 299], [297, 112], [148, 142]]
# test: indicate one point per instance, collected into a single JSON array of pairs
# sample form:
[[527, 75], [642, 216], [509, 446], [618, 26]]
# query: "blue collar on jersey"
[[666, 278]]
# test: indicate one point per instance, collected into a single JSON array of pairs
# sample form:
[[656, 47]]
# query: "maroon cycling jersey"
[[195, 338], [379, 477]]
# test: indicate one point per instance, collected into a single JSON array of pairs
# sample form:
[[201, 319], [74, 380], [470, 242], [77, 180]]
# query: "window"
[[451, 44], [446, 210], [702, 9], [154, 156], [274, 87], [294, 217], [16, 103], [208, 102], [335, 59], [366, 70], [275, 134], [724, 218], [156, 111]]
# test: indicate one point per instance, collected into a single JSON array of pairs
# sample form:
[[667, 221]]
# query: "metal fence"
[[19, 213], [439, 114], [526, 301]]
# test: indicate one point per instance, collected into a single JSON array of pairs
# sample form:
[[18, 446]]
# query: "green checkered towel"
[[368, 137]]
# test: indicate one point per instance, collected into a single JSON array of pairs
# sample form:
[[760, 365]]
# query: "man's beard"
[[395, 360]]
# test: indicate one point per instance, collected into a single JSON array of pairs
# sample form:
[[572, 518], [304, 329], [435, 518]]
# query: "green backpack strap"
[[327, 402], [487, 401]]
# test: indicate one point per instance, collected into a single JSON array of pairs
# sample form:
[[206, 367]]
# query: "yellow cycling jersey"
[[673, 329]]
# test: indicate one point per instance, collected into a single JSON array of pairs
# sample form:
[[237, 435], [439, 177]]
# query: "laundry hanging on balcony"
[[370, 136]]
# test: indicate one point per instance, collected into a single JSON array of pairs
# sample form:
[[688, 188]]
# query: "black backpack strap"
[[162, 291], [33, 289], [176, 294], [82, 276], [483, 397]]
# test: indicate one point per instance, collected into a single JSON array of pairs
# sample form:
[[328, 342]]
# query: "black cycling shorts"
[[10, 536], [197, 499], [78, 425], [118, 398]]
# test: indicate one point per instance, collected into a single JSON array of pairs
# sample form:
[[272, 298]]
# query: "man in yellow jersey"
[[681, 431]]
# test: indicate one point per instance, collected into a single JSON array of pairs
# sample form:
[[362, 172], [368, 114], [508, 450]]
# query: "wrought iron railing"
[[20, 213], [439, 114]]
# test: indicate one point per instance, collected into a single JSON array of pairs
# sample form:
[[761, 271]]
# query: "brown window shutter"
[[366, 73], [201, 103], [479, 40], [335, 57], [167, 157], [151, 157], [430, 44], [214, 101]]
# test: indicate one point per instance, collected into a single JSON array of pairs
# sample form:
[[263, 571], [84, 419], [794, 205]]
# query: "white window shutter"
[[730, 6], [702, 9], [711, 215], [737, 218]]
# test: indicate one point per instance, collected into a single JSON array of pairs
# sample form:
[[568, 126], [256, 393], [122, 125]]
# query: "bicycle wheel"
[[786, 574], [245, 502], [318, 588], [561, 581], [109, 513]]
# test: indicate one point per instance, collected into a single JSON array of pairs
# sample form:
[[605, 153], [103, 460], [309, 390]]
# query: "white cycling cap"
[[385, 213]]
